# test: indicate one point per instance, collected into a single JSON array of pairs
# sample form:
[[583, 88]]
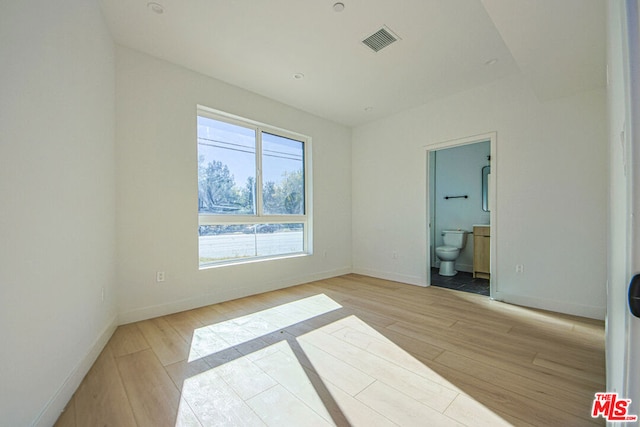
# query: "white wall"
[[551, 214], [458, 172], [58, 227], [157, 190], [57, 192]]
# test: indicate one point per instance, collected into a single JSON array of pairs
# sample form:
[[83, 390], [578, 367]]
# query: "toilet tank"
[[455, 238]]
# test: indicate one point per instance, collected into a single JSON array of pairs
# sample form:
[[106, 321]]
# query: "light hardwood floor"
[[351, 350]]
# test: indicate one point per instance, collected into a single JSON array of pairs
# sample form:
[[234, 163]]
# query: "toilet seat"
[[447, 248]]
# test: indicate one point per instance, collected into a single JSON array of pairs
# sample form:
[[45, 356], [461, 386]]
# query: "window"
[[252, 190]]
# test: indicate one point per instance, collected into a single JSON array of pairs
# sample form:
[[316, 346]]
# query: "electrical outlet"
[[519, 268], [159, 276], [394, 255]]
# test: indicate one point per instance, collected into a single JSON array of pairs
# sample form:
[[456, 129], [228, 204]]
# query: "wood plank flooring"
[[351, 350]]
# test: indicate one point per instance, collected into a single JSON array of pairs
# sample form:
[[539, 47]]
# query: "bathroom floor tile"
[[462, 281]]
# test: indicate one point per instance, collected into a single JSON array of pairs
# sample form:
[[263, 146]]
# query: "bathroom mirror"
[[485, 187]]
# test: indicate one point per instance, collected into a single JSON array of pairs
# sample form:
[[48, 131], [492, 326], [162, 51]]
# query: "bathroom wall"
[[458, 172]]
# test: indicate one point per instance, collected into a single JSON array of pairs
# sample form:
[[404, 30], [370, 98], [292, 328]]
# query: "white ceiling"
[[558, 45]]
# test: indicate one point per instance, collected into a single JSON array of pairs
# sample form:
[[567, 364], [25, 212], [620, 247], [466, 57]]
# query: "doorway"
[[445, 204]]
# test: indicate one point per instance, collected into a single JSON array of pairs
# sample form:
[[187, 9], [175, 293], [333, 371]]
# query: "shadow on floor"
[[462, 281]]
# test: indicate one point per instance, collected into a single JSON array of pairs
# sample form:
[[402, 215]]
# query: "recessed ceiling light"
[[338, 7], [298, 76], [156, 7], [491, 61]]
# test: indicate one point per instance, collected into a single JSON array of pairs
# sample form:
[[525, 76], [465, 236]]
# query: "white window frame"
[[259, 217]]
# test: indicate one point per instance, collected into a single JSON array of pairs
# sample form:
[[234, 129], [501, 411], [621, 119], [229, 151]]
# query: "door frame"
[[631, 135], [492, 137], [623, 329]]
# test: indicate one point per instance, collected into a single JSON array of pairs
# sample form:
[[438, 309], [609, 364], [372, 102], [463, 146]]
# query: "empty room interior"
[[232, 212]]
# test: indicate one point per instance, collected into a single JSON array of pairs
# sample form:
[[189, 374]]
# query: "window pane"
[[279, 239], [282, 175], [234, 242], [226, 168]]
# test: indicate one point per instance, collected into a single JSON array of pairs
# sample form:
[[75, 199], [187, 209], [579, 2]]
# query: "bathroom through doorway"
[[461, 197]]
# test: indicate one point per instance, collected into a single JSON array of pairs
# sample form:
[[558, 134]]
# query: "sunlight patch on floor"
[[224, 335], [345, 370], [272, 390], [393, 383]]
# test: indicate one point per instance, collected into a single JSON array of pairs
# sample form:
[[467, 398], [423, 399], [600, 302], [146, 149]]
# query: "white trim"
[[258, 217], [308, 194], [251, 260], [427, 202], [243, 121], [462, 141], [206, 219], [258, 181], [632, 132], [402, 278], [56, 405], [493, 200], [591, 312], [202, 300]]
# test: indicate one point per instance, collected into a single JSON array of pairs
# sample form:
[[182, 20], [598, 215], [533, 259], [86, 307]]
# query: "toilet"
[[454, 242]]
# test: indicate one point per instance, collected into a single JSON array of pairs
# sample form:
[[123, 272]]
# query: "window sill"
[[243, 261]]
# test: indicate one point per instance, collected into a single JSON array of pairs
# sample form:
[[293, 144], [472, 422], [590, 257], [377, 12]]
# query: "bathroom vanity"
[[481, 251]]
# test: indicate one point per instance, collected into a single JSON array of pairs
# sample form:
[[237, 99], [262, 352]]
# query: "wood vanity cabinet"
[[481, 251]]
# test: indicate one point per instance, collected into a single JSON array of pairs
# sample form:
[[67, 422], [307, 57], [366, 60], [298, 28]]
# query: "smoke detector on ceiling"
[[381, 39]]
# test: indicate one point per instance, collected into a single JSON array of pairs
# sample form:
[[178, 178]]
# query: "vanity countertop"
[[481, 225]]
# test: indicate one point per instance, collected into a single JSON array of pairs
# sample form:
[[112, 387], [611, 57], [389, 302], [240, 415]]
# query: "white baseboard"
[[59, 400], [591, 312], [208, 299], [402, 278]]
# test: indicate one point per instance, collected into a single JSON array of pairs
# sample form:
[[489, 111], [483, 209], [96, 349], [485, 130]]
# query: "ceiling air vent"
[[380, 39]]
